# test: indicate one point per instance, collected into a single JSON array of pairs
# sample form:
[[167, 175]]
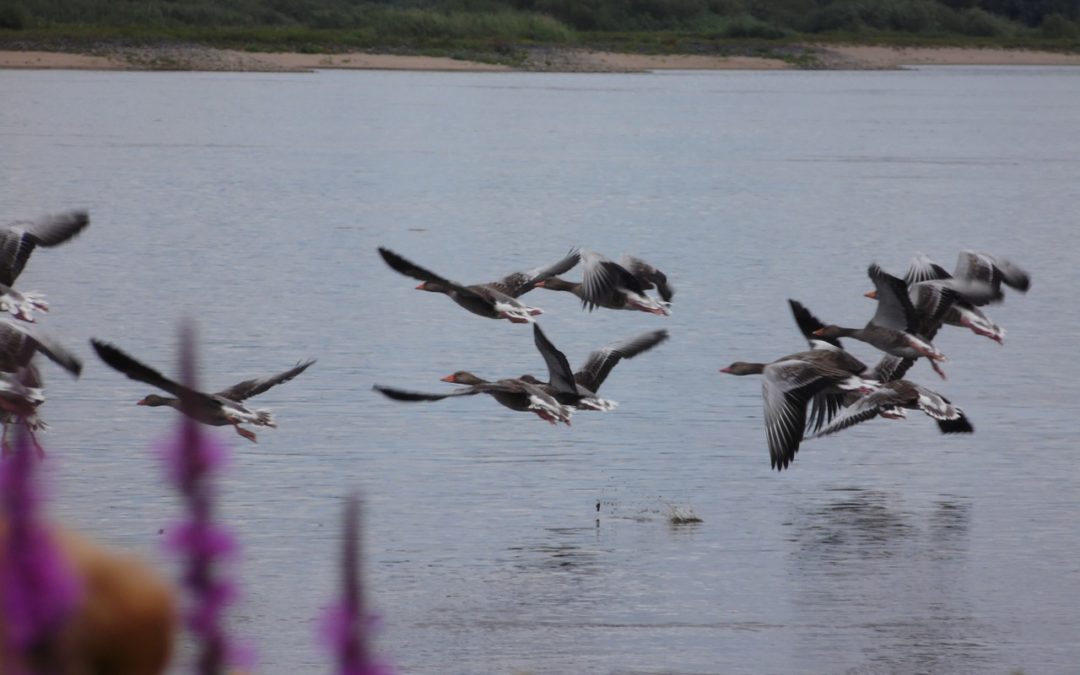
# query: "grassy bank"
[[501, 30]]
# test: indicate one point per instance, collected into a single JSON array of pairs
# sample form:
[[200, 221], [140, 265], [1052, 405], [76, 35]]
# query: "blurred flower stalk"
[[346, 628]]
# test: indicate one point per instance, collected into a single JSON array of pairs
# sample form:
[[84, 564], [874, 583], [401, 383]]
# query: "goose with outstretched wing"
[[612, 285], [495, 300], [17, 241], [223, 408]]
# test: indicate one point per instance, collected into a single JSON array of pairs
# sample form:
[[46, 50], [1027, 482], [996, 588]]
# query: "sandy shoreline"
[[832, 57]]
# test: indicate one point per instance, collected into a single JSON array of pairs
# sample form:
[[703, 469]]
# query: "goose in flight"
[[17, 241], [21, 384], [789, 383], [510, 393], [578, 389], [894, 328], [613, 285], [219, 409], [495, 300]]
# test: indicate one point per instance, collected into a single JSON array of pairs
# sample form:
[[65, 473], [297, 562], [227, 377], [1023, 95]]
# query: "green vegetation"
[[503, 27]]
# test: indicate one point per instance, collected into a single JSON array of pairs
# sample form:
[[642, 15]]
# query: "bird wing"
[[248, 388], [648, 276], [975, 293], [932, 301], [934, 404], [808, 323], [542, 397], [974, 266], [894, 309], [960, 425], [922, 268], [823, 405], [891, 368], [519, 283], [600, 362], [786, 387], [408, 268], [404, 395], [18, 240], [602, 279], [862, 409], [560, 376], [118, 360], [20, 340]]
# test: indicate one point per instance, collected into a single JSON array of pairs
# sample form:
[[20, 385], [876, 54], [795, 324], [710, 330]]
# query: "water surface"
[[255, 203]]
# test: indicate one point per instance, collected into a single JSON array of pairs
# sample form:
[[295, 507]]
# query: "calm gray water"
[[255, 203]]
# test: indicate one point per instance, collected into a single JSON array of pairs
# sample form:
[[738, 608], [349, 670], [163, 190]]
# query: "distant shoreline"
[[826, 57]]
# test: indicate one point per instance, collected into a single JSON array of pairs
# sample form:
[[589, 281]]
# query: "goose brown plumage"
[[832, 411], [510, 393], [612, 285], [21, 385], [788, 385], [579, 389], [17, 241], [220, 409], [890, 401], [495, 300], [976, 281], [895, 326]]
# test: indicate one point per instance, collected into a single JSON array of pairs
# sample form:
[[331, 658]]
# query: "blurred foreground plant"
[[192, 458], [345, 627], [39, 590]]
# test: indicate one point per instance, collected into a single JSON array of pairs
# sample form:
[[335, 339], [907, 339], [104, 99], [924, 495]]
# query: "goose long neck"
[[557, 284]]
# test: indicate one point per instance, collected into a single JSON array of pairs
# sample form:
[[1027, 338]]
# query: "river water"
[[255, 202]]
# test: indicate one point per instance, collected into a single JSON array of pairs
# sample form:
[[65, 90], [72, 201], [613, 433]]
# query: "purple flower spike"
[[345, 628], [38, 585], [191, 459]]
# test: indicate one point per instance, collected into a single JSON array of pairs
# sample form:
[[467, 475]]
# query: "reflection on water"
[[862, 550]]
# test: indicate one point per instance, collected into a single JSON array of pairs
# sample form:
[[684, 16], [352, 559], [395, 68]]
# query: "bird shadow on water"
[[880, 584]]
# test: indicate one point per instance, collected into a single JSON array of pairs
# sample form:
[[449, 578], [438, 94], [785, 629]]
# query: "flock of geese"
[[840, 391], [817, 392], [605, 283], [21, 385], [808, 394]]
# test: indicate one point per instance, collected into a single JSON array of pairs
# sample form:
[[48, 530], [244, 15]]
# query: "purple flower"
[[191, 460], [38, 585], [345, 628]]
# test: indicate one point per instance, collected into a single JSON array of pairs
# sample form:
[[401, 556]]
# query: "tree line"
[[559, 20]]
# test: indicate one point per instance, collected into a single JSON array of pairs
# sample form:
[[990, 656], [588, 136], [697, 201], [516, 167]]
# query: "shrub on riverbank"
[[502, 26]]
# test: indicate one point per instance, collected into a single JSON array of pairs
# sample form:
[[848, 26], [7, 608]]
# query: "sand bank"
[[876, 58], [831, 57]]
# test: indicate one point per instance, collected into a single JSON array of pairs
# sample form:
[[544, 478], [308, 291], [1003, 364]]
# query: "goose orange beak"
[[421, 286], [540, 284], [871, 294], [819, 331], [142, 402], [726, 370], [449, 378]]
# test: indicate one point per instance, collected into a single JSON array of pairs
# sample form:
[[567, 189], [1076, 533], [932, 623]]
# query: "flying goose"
[[976, 284], [890, 401], [789, 383], [613, 285], [511, 393], [895, 326], [21, 385], [220, 409], [17, 241], [578, 389], [495, 300]]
